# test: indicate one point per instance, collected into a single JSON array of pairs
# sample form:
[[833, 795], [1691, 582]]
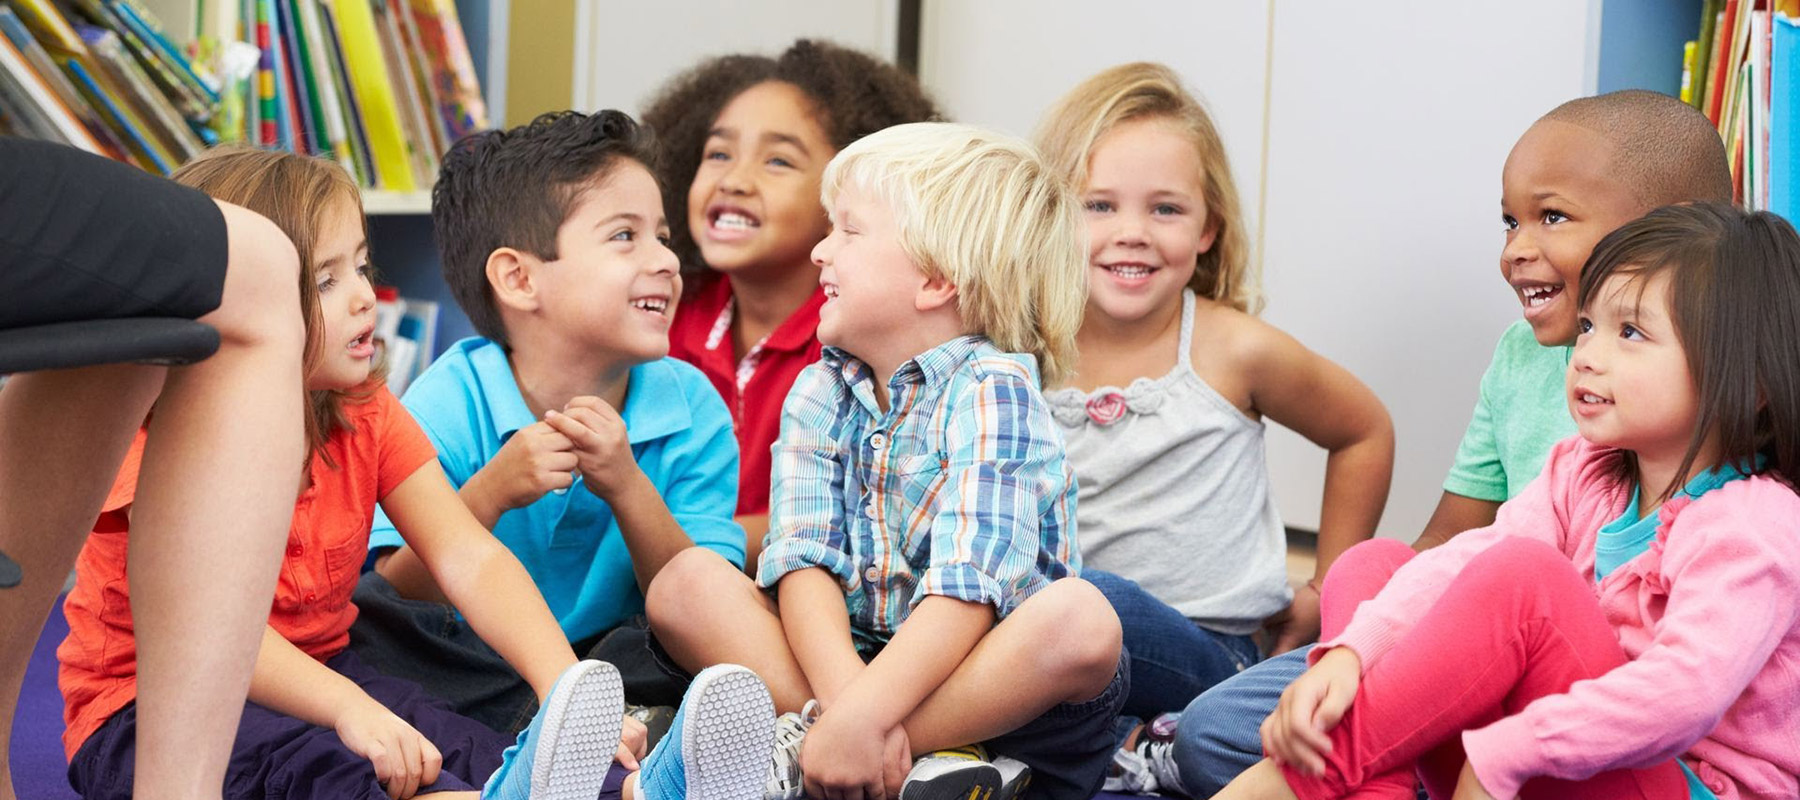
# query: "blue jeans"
[[1220, 733], [1172, 659]]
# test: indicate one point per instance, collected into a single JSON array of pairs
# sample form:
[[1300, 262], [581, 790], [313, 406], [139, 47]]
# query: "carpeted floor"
[[38, 767]]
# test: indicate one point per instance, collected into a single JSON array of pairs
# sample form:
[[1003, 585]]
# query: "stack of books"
[[1742, 72], [381, 86]]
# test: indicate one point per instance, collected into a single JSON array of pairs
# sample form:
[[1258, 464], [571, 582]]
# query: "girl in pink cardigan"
[[1629, 626]]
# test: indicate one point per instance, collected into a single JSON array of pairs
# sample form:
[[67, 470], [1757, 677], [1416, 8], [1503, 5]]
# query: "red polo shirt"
[[327, 542], [753, 386]]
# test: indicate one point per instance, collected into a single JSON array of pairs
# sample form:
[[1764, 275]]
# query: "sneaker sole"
[[976, 782], [728, 734], [580, 734]]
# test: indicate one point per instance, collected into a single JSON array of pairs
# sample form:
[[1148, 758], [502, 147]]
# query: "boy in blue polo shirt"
[[567, 430]]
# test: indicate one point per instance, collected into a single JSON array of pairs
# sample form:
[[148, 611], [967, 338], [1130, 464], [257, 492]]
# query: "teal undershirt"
[[1629, 536]]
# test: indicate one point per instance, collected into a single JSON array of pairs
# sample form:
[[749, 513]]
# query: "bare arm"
[[1455, 514], [1330, 407], [817, 626], [479, 576], [938, 635]]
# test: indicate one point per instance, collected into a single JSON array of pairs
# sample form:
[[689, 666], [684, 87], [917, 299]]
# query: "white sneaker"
[[784, 782]]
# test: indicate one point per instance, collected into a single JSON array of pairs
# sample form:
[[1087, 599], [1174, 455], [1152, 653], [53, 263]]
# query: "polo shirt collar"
[[654, 405]]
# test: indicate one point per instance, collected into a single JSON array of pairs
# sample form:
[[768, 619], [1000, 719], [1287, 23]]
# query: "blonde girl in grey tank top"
[[1174, 494]]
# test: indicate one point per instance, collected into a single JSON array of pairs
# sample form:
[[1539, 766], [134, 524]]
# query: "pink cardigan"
[[1709, 615]]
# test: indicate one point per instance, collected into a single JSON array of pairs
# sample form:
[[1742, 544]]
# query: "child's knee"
[[689, 583], [1085, 630], [261, 300]]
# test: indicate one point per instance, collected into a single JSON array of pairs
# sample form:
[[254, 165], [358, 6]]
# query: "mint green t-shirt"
[[1521, 412]]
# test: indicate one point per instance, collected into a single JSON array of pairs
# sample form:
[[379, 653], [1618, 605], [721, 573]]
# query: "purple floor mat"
[[38, 767]]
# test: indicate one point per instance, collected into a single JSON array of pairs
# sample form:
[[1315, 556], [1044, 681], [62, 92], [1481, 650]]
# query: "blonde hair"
[[984, 212], [297, 193], [1148, 91]]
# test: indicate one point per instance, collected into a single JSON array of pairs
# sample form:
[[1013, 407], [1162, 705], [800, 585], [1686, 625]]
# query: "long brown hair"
[[1143, 91], [1734, 296], [297, 193]]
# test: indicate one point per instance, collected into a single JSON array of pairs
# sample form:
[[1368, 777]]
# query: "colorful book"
[[32, 107], [374, 90], [1784, 118], [122, 121], [452, 69], [330, 110], [412, 108], [353, 118], [13, 29], [135, 88]]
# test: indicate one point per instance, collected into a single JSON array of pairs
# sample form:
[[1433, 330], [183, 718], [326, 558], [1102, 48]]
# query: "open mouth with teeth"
[[1130, 272], [1538, 295], [728, 220], [1591, 398], [831, 291], [655, 305]]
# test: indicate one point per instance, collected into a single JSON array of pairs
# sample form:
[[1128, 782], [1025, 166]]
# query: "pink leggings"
[[1491, 644]]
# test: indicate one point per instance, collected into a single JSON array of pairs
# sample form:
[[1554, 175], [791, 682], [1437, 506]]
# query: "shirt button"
[[872, 574], [869, 511], [311, 599], [878, 440], [296, 550]]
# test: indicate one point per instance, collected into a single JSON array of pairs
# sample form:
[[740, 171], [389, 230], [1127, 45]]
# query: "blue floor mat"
[[38, 766]]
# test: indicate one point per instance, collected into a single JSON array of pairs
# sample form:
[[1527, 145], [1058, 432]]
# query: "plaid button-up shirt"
[[960, 488]]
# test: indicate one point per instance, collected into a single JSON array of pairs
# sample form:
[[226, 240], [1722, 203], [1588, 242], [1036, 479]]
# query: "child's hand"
[[1311, 706], [634, 740], [535, 460], [1468, 787], [845, 757], [601, 446], [404, 760], [1295, 625]]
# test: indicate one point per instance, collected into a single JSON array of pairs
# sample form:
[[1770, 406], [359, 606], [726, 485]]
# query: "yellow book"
[[374, 94], [1688, 53]]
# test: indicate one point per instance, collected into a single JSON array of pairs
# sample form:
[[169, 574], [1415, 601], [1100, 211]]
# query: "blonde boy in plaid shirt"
[[917, 577]]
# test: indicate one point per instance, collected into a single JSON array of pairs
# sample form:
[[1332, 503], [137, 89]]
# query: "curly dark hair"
[[853, 95], [514, 188]]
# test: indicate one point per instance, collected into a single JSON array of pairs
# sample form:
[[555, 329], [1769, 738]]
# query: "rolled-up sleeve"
[[1001, 452]]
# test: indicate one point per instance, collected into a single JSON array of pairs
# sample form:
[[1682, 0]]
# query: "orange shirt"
[[327, 543]]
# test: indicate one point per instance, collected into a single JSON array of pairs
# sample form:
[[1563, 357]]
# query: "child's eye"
[[366, 270], [1552, 216], [626, 235], [1507, 222], [1584, 325], [714, 155], [1098, 206], [778, 161], [667, 239], [1166, 209], [1630, 331], [326, 281]]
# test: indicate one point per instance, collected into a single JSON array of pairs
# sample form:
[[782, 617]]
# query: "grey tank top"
[[1174, 494]]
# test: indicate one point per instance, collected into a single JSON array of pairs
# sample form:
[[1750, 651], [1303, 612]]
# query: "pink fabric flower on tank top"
[[1106, 409]]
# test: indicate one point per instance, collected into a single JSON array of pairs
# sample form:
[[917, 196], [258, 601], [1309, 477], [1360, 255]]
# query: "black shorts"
[[83, 237]]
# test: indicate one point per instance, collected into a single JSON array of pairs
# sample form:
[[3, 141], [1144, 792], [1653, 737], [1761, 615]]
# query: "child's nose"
[[737, 178], [1519, 249]]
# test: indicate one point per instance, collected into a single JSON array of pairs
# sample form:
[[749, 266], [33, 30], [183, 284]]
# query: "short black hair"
[[1665, 151], [853, 94], [514, 188]]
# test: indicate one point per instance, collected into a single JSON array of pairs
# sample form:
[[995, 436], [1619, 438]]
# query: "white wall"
[[1383, 236], [632, 48]]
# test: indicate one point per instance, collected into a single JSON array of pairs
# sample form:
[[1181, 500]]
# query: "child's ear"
[[1209, 236], [509, 274], [933, 294]]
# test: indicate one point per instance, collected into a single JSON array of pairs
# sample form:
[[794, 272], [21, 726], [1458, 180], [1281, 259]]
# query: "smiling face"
[[1629, 384], [1147, 218], [346, 302], [613, 286], [1557, 201], [870, 282], [754, 203]]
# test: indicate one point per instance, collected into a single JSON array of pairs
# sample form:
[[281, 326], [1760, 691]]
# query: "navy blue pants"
[[279, 757]]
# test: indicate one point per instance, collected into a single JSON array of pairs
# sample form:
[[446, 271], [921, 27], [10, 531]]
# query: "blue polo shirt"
[[680, 432]]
